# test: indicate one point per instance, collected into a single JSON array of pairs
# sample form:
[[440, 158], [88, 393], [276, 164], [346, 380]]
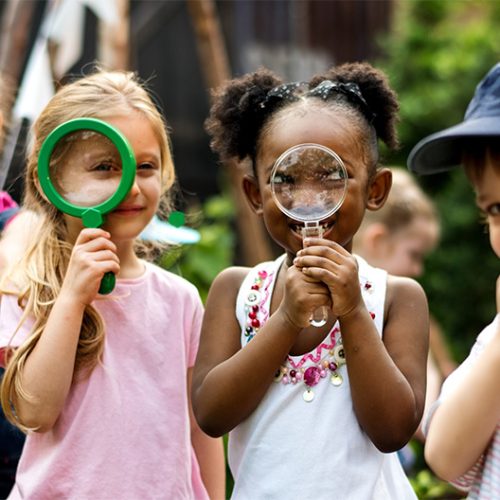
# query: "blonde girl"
[[101, 385]]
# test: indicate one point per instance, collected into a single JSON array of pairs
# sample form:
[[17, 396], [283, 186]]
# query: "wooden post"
[[255, 245], [114, 41], [15, 31]]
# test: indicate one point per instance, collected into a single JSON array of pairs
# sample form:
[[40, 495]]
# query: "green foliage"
[[200, 263], [437, 54], [435, 57], [427, 486]]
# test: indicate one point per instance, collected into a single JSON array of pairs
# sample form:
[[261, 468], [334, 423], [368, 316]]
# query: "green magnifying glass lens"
[[85, 168]]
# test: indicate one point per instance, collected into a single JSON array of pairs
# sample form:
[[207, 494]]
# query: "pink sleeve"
[[6, 201], [10, 314], [466, 481]]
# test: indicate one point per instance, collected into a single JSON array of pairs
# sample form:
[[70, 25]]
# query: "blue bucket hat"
[[443, 150]]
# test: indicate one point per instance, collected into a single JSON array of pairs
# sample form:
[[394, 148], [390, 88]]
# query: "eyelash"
[[493, 209], [147, 166]]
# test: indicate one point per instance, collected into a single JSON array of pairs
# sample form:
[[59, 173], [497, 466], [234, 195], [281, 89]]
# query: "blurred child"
[[11, 439], [463, 439], [102, 385], [397, 238]]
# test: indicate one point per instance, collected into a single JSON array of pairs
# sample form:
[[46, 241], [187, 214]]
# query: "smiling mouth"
[[324, 227], [130, 209]]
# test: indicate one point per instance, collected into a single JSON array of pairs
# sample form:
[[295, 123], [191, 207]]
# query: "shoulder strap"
[[268, 267], [373, 282]]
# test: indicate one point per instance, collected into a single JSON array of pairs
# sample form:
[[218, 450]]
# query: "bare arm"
[[16, 238], [387, 376], [210, 455], [229, 382], [467, 412], [48, 371], [440, 350]]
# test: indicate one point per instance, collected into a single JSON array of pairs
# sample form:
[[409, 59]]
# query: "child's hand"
[[93, 255], [331, 264], [302, 296], [498, 295]]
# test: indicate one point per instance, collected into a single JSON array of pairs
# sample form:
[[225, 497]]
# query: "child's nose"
[[134, 190]]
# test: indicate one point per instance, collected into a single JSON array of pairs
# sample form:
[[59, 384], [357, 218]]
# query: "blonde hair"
[[405, 203], [7, 95], [100, 95]]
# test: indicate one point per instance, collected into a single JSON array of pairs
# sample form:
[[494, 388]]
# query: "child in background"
[[11, 439], [101, 385], [312, 412], [16, 228], [463, 439], [399, 235], [397, 238]]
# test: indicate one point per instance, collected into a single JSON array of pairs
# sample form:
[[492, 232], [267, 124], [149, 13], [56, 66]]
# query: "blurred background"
[[434, 52]]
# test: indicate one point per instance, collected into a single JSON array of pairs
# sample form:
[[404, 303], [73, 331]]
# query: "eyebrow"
[[487, 198], [149, 155]]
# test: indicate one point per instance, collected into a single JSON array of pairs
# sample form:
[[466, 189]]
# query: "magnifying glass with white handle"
[[309, 184]]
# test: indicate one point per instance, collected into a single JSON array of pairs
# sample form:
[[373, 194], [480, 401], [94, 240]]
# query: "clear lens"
[[85, 168], [309, 182]]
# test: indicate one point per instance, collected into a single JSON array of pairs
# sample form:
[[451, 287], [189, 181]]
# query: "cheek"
[[151, 186], [494, 230], [403, 263]]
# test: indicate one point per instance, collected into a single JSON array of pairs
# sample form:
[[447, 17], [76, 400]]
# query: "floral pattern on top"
[[323, 363]]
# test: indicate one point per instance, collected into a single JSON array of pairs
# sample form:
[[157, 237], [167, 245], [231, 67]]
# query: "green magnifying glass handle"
[[107, 283]]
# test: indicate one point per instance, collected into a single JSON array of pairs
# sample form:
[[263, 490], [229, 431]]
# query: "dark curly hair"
[[242, 106]]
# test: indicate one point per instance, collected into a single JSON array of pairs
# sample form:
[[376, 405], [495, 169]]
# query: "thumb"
[[498, 294]]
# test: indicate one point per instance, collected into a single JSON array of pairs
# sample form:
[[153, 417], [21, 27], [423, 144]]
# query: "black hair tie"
[[350, 89], [287, 92]]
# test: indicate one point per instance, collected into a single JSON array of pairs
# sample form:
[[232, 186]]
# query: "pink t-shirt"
[[124, 432]]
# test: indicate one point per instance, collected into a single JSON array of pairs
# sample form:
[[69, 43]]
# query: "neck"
[[130, 265]]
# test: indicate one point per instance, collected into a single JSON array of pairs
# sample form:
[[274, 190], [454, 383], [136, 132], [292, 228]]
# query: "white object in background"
[[37, 86], [163, 232]]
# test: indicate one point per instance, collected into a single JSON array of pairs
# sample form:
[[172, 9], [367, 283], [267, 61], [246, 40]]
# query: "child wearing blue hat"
[[463, 427]]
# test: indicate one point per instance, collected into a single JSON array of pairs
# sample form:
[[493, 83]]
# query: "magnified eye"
[[103, 167], [280, 178], [333, 175], [106, 166]]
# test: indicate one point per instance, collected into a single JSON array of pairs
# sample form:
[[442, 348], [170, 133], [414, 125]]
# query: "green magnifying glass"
[[86, 168]]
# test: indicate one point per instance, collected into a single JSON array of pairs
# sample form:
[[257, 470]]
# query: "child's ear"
[[378, 190], [252, 192]]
